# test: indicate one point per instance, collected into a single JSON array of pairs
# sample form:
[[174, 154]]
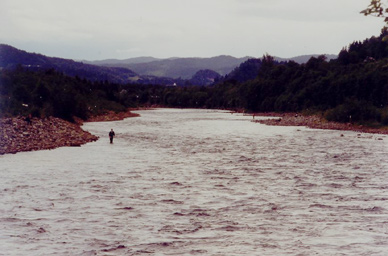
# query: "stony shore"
[[313, 121], [18, 134], [112, 116]]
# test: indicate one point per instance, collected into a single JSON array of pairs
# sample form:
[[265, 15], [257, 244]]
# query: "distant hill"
[[11, 57], [143, 70], [204, 77], [184, 68], [108, 62]]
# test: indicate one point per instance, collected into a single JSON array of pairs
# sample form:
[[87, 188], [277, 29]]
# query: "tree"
[[378, 8]]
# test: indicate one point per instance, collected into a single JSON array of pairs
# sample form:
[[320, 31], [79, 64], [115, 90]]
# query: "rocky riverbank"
[[20, 134], [314, 121], [17, 134], [112, 116]]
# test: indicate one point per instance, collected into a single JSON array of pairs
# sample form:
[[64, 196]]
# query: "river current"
[[198, 182]]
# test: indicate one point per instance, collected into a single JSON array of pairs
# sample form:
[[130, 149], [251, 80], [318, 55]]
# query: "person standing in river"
[[111, 135]]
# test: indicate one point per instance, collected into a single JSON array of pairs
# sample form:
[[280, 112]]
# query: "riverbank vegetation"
[[351, 88]]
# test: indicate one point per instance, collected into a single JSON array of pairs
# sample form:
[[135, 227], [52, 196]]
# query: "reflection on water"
[[198, 182]]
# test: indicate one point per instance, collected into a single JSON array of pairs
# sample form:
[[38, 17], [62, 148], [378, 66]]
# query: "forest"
[[351, 88]]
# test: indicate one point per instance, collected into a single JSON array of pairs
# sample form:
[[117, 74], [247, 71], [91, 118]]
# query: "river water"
[[198, 182]]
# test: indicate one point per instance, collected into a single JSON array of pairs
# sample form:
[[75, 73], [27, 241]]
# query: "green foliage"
[[353, 110], [378, 8], [352, 88], [384, 116], [375, 8], [50, 93], [353, 85]]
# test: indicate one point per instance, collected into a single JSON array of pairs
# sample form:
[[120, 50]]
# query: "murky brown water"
[[198, 182]]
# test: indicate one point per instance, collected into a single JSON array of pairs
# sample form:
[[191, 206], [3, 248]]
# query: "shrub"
[[353, 111]]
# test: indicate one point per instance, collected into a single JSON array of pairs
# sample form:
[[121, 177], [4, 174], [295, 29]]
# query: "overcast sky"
[[101, 29]]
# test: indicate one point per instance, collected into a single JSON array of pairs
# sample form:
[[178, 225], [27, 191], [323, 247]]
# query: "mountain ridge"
[[142, 70], [183, 68], [145, 59], [187, 67], [11, 57]]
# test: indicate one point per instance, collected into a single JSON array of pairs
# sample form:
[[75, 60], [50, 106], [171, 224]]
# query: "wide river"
[[198, 182]]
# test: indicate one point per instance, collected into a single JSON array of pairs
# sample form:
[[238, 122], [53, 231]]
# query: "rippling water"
[[198, 182]]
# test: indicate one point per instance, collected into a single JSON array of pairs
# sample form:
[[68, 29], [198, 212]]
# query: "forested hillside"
[[50, 93], [10, 58], [352, 88]]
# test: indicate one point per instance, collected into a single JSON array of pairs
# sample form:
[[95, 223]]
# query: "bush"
[[353, 111], [384, 116]]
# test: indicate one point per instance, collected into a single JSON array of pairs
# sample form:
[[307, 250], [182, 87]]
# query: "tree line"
[[351, 88]]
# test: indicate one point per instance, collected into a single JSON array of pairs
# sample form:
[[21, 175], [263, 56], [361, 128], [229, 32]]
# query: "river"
[[198, 182]]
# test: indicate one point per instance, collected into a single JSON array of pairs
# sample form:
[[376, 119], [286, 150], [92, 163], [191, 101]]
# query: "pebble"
[[316, 122], [18, 135]]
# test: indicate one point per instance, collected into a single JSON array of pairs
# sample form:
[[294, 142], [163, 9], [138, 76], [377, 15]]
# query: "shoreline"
[[314, 122], [112, 116], [18, 135]]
